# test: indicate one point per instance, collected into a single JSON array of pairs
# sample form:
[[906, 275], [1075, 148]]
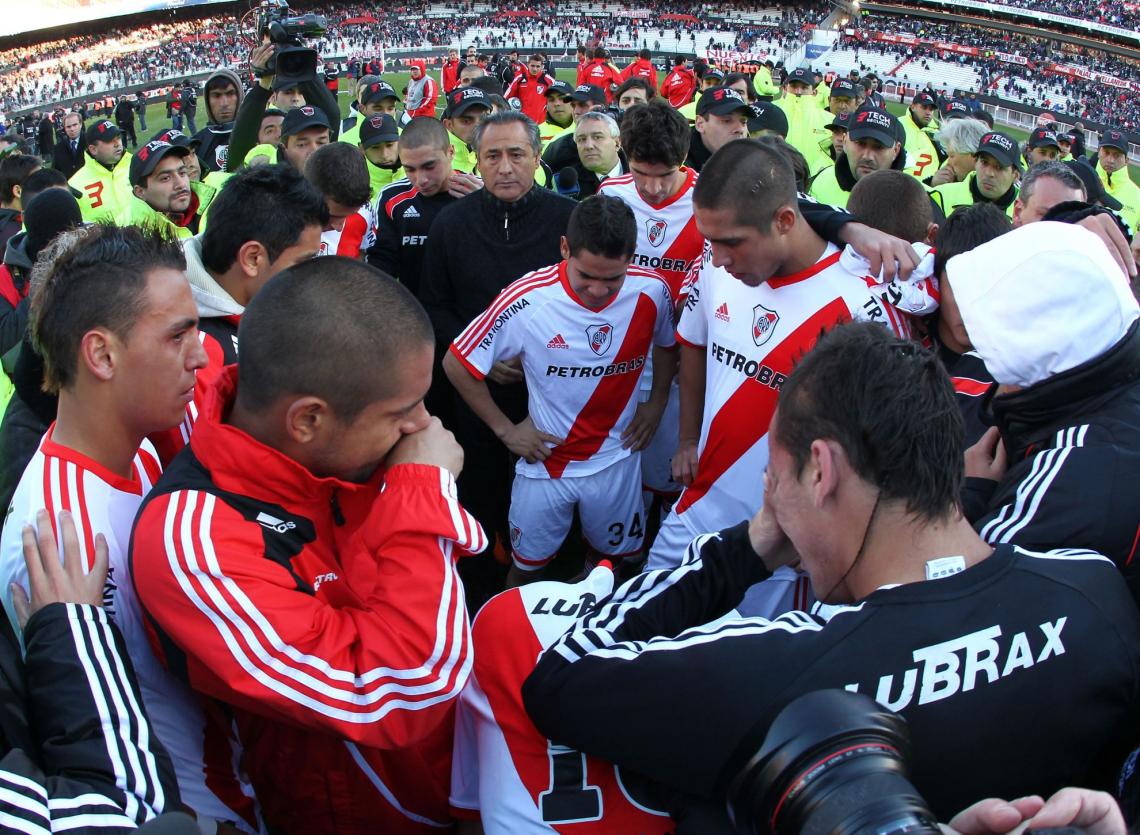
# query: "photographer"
[[863, 481], [248, 121]]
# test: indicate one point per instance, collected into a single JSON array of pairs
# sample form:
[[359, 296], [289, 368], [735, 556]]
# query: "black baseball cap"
[[1000, 147], [377, 129], [841, 122], [767, 116], [1067, 138], [462, 99], [589, 92], [176, 137], [559, 87], [801, 75], [1094, 188], [102, 131], [714, 72], [923, 97], [844, 88], [721, 101], [378, 91], [876, 124], [1043, 138], [147, 157], [302, 118], [1114, 139], [956, 109]]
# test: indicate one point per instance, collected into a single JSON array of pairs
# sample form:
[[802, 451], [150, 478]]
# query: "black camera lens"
[[832, 763]]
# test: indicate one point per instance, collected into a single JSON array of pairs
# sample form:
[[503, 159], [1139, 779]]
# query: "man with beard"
[[223, 96], [162, 195], [923, 156], [997, 168]]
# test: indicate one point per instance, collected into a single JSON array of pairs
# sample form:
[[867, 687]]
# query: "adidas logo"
[[722, 312], [558, 342], [411, 212], [274, 524]]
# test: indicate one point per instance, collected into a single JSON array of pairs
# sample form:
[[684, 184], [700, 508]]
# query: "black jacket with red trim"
[[404, 218], [328, 616]]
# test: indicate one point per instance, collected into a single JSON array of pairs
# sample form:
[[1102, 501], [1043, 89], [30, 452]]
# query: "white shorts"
[[609, 507], [673, 539], [657, 458]]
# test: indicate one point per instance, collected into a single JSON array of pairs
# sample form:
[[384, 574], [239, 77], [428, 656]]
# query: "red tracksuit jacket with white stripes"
[[328, 616]]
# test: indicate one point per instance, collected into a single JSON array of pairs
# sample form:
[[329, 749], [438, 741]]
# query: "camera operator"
[[862, 484], [248, 121]]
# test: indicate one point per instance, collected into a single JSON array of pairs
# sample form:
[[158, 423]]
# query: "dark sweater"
[[479, 245]]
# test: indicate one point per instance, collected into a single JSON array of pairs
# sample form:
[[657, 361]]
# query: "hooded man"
[[423, 92], [1066, 410], [223, 97]]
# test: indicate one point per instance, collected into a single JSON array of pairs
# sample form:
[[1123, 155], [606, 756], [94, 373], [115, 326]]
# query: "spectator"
[[595, 466], [104, 179], [479, 245], [67, 156], [113, 319], [865, 455], [303, 433], [264, 220], [1064, 414], [223, 93], [13, 171]]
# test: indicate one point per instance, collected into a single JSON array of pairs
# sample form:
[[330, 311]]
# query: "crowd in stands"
[[1032, 83], [1123, 13]]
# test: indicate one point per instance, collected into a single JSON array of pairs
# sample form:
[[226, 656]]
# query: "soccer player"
[[506, 773], [322, 496], [530, 87], [601, 72], [584, 330], [642, 67], [340, 173], [406, 209], [767, 286], [104, 179], [115, 323]]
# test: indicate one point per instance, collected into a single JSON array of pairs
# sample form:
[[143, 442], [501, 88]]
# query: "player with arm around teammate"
[[584, 329]]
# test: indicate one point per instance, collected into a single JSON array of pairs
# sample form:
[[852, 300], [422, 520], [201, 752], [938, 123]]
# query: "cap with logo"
[[767, 116], [801, 75], [923, 97], [844, 88], [842, 122], [176, 137], [147, 158], [1114, 139], [378, 91], [874, 124], [1043, 138], [1094, 188], [559, 87], [102, 131], [589, 93], [722, 101], [956, 109], [377, 129], [714, 72], [462, 99], [1000, 147], [303, 118]]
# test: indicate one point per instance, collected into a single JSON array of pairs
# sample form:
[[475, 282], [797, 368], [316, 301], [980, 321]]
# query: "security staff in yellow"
[[923, 156], [1112, 167], [872, 145], [807, 121], [104, 180], [997, 169]]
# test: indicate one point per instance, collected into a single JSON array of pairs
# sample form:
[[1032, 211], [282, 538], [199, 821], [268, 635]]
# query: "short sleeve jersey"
[[101, 502], [520, 782], [357, 235], [667, 237], [752, 338], [582, 365]]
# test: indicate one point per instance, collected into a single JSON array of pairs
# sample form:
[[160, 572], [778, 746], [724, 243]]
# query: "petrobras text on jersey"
[[960, 664], [501, 320], [653, 262], [575, 371], [747, 366]]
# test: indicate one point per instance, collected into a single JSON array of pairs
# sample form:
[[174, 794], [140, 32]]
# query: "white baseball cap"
[[1041, 300]]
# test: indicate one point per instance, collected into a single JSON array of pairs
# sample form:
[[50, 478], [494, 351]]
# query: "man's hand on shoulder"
[[433, 445]]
